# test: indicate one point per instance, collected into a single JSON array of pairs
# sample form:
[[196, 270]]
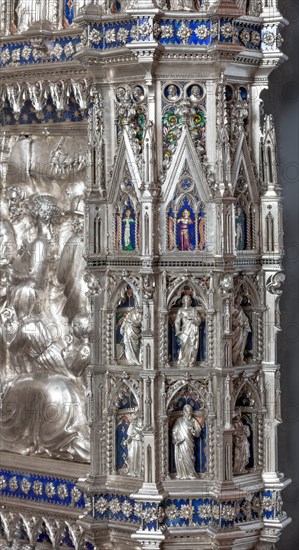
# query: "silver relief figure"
[[39, 380], [77, 352], [31, 272], [134, 444], [15, 196], [240, 444], [43, 413], [131, 332], [184, 431], [7, 243], [132, 169], [32, 347], [187, 324], [71, 265]]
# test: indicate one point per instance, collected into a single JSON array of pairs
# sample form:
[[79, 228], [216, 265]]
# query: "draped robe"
[[183, 434]]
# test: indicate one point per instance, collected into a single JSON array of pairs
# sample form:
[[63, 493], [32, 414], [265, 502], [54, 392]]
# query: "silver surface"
[[70, 377]]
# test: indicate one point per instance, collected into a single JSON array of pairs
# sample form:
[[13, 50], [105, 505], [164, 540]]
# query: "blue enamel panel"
[[25, 53], [40, 488], [116, 34]]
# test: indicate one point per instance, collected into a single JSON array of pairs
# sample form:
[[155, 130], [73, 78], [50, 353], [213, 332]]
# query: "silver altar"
[[141, 272]]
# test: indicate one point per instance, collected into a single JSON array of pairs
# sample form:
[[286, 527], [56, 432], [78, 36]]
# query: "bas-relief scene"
[[44, 305]]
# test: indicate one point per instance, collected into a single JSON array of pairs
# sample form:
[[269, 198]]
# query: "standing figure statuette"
[[185, 221], [187, 324], [184, 431], [127, 221], [240, 444], [131, 332], [134, 445], [241, 329], [240, 228]]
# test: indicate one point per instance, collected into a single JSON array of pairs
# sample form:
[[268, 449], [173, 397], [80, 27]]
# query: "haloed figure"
[[184, 230]]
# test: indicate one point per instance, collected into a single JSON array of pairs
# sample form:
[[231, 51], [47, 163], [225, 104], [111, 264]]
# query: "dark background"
[[282, 100]]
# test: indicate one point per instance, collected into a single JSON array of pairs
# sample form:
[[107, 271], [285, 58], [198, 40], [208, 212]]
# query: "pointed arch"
[[185, 212], [243, 160], [186, 154], [10, 521], [126, 384], [124, 200], [125, 159], [247, 384], [116, 292], [178, 288], [249, 289], [179, 387], [31, 527], [246, 195]]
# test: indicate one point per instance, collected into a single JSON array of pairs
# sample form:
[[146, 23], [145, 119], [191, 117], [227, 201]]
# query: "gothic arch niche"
[[186, 327], [247, 456], [188, 394], [186, 218], [124, 407], [245, 216], [269, 153], [97, 233], [127, 327], [246, 323], [127, 218]]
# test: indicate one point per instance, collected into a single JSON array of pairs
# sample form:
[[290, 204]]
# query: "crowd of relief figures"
[[44, 303]]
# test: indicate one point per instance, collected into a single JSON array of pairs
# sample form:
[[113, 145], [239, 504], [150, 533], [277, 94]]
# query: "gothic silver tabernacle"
[[141, 269]]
